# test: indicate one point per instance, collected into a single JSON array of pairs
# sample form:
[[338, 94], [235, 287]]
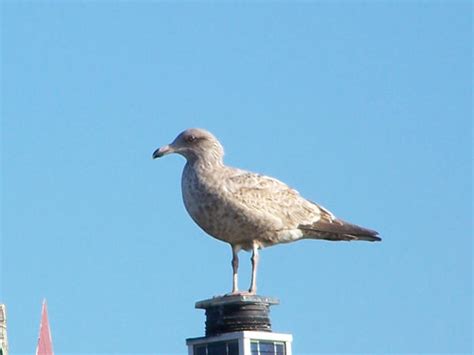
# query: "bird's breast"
[[207, 202], [202, 201]]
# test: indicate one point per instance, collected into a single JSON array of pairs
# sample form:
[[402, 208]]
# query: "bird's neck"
[[206, 164]]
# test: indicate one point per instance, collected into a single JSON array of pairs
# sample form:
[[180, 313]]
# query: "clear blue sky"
[[364, 107]]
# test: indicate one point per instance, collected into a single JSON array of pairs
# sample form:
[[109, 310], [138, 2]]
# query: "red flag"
[[45, 344]]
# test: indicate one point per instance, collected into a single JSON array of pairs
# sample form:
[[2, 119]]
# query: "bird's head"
[[194, 144]]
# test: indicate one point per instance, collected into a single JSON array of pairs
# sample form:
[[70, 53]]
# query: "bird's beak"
[[167, 149]]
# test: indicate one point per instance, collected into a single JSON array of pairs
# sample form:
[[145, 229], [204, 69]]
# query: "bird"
[[250, 211]]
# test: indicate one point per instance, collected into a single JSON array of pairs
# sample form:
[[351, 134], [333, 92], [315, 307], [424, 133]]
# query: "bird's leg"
[[235, 267], [255, 257]]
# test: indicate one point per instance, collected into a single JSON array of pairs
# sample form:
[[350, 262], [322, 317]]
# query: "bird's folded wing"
[[272, 198]]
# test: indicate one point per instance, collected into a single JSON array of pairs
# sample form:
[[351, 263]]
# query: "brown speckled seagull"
[[247, 210]]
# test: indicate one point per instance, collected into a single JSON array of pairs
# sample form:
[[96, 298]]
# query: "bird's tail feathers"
[[338, 230]]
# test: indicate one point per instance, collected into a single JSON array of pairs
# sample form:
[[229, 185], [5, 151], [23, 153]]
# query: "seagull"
[[247, 210]]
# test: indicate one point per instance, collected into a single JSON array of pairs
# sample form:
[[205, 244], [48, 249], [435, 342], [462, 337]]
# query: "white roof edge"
[[246, 334]]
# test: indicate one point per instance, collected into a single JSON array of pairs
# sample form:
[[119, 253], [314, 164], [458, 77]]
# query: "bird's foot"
[[240, 293]]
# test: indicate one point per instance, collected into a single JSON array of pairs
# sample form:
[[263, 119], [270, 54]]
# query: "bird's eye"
[[190, 138]]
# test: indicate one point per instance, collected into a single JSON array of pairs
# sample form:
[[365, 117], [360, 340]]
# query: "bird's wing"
[[270, 198]]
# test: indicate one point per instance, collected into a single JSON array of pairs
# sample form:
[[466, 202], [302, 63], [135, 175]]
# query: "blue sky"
[[364, 107]]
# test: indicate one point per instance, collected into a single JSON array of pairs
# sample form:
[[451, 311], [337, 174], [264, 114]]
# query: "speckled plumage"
[[248, 210], [242, 208]]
